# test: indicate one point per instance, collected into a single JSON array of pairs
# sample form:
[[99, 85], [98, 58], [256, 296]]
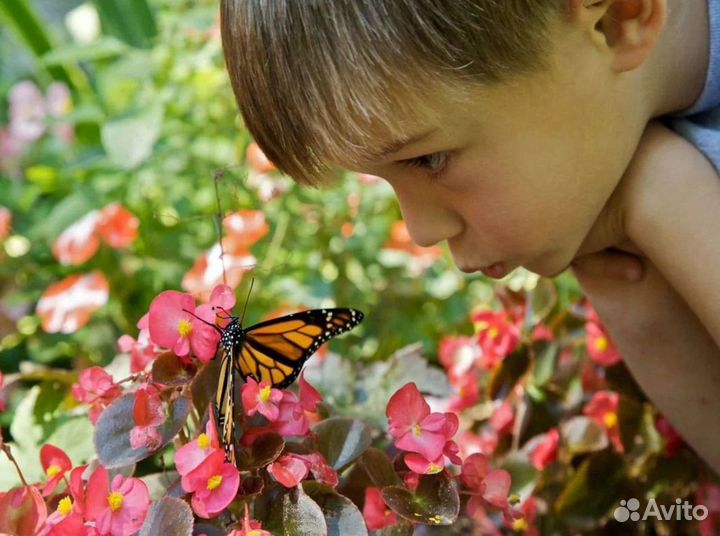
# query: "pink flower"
[[250, 527], [27, 112], [214, 484], [55, 463], [376, 513], [65, 521], [173, 324], [545, 452], [142, 351], [419, 464], [603, 408], [497, 335], [192, 454], [503, 418], [320, 469], [599, 345], [309, 396], [288, 470], [95, 387], [458, 355], [291, 419], [79, 242], [22, 511], [261, 398], [492, 485], [118, 508], [708, 495], [412, 425]]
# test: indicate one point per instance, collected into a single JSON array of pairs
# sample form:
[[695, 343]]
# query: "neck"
[[677, 68]]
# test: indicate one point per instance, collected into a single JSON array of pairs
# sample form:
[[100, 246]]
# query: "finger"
[[610, 265]]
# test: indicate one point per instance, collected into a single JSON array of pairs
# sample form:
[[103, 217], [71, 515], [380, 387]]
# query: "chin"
[[548, 268]]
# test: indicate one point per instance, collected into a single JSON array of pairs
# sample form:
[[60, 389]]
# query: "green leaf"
[[341, 515], [522, 473], [169, 517], [74, 436], [435, 501], [581, 435], [508, 373], [129, 140], [379, 468], [112, 431], [25, 429], [592, 491], [130, 20], [103, 48], [342, 440], [293, 513]]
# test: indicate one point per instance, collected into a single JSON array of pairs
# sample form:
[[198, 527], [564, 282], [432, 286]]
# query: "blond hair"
[[316, 80]]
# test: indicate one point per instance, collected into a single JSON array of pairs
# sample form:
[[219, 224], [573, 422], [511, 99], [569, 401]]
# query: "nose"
[[428, 218]]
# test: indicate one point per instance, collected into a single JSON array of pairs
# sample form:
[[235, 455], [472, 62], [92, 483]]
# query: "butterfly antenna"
[[252, 282], [205, 321], [217, 175]]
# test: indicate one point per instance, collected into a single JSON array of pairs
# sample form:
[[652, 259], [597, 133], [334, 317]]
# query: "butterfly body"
[[273, 351]]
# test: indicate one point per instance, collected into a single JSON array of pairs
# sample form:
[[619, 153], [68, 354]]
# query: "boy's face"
[[518, 173]]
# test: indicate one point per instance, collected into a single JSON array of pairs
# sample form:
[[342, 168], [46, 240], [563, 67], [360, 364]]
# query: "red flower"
[[142, 351], [118, 508], [545, 451], [250, 527], [22, 511], [55, 463], [491, 485], [600, 347], [175, 323], [309, 396], [243, 229], [603, 408], [65, 521], [414, 428], [674, 443], [708, 495], [503, 418], [257, 160], [95, 387], [376, 513], [67, 306], [497, 334], [117, 226], [5, 223], [289, 470], [79, 242], [458, 355], [149, 412], [192, 454], [214, 484]]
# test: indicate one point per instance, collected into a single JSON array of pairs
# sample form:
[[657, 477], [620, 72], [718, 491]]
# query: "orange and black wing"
[[276, 350]]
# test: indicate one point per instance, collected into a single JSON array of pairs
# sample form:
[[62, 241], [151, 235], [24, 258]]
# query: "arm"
[[668, 351], [675, 220]]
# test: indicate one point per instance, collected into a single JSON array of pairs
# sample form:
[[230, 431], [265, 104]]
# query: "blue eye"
[[434, 163]]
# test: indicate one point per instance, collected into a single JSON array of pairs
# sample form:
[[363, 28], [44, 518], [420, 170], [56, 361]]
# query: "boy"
[[523, 133]]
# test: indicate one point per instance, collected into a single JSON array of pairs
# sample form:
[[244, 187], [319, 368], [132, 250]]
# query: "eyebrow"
[[396, 145]]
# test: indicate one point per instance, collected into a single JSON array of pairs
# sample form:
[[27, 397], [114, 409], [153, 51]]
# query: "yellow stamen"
[[203, 441], [115, 500], [610, 419], [265, 393], [432, 469], [52, 471], [520, 525], [601, 344], [184, 328], [65, 506], [214, 482], [493, 332], [417, 430]]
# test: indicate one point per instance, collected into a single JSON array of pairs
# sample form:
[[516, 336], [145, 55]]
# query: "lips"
[[496, 271]]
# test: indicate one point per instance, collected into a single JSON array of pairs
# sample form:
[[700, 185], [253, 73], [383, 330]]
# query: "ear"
[[627, 29]]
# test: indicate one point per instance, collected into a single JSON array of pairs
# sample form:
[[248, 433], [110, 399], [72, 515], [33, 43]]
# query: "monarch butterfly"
[[274, 351]]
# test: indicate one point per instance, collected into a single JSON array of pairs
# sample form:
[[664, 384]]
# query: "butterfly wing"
[[276, 350]]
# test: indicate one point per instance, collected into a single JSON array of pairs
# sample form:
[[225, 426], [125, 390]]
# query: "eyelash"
[[424, 162]]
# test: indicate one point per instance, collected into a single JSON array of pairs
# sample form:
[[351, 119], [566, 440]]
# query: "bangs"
[[325, 81]]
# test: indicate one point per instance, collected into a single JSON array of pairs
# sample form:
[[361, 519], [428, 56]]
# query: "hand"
[[607, 252]]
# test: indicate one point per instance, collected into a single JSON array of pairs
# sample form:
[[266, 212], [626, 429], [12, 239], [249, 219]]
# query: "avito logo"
[[680, 511]]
